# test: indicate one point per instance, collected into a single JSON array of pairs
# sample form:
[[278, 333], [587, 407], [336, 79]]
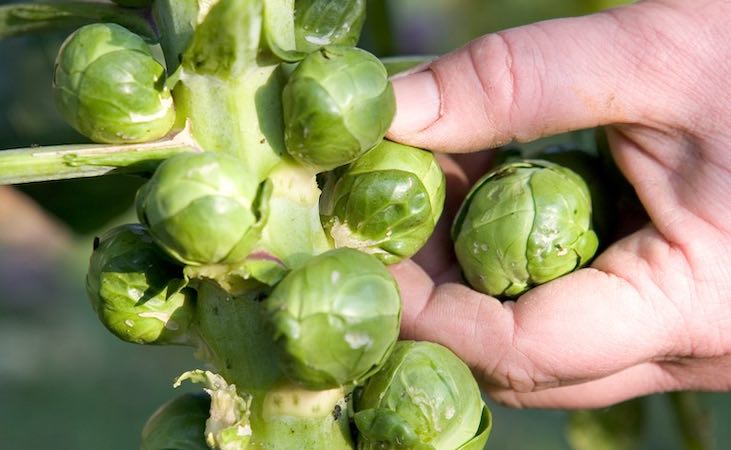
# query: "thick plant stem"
[[22, 18], [239, 116], [60, 162], [236, 341]]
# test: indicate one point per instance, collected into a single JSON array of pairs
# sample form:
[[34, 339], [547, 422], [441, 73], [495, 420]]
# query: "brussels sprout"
[[335, 319], [424, 397], [179, 424], [326, 22], [133, 3], [337, 104], [202, 208], [109, 87], [136, 291], [589, 168], [295, 28], [386, 203], [523, 224]]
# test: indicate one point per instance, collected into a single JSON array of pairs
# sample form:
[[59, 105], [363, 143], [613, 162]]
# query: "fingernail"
[[417, 102]]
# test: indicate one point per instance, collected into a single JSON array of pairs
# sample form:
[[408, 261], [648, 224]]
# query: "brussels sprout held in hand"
[[202, 208], [523, 224], [335, 319], [136, 291], [338, 104], [386, 203], [109, 87]]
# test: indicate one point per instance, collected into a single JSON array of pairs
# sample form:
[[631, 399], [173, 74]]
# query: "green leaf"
[[228, 427]]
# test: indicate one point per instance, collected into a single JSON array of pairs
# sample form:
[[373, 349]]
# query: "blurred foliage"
[[618, 427], [65, 382], [89, 204]]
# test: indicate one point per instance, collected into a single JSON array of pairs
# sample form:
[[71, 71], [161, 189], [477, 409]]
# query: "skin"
[[653, 312]]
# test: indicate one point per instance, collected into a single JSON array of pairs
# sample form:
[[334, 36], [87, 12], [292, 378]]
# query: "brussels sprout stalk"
[[258, 289], [293, 212], [236, 341]]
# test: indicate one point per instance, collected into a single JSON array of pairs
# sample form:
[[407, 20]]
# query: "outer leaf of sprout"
[[386, 203], [430, 391], [136, 290], [178, 424], [335, 319], [337, 105], [227, 427], [523, 224], [201, 208], [110, 88]]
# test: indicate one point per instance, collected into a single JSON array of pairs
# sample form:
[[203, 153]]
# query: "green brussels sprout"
[[136, 291], [424, 397], [110, 88], [133, 3], [523, 224], [202, 208], [293, 29], [386, 203], [589, 167], [337, 104], [335, 318], [179, 424], [326, 22]]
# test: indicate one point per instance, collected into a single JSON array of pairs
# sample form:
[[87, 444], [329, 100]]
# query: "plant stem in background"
[[379, 29], [24, 18], [693, 420], [61, 162]]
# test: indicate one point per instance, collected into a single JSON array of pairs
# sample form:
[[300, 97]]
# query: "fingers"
[[533, 81], [640, 380], [582, 327], [635, 381]]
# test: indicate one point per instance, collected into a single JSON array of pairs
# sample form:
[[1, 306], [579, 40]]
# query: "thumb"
[[527, 82]]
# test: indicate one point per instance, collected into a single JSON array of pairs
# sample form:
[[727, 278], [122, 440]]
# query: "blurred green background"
[[65, 382]]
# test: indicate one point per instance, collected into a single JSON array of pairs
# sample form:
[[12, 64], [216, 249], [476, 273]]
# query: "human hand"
[[653, 312]]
